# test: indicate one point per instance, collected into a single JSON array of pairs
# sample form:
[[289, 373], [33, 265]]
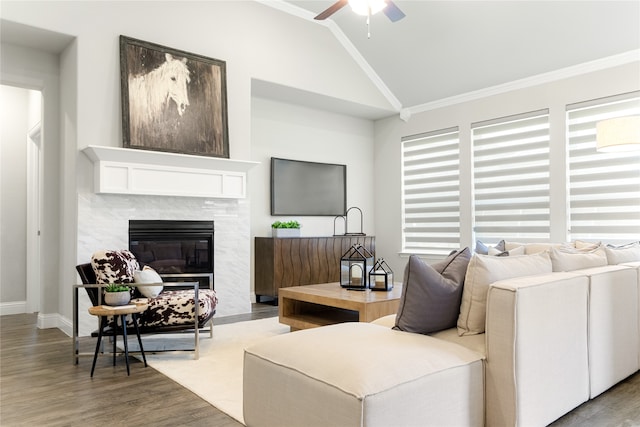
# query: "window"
[[431, 192], [604, 188], [510, 184], [511, 178]]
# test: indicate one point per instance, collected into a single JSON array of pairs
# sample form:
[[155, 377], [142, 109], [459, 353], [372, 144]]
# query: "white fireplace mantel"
[[132, 171]]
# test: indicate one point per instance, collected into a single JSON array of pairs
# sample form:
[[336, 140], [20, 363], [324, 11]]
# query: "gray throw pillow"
[[483, 249], [431, 294]]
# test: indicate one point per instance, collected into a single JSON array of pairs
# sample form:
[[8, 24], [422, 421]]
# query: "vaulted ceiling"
[[444, 49], [447, 49]]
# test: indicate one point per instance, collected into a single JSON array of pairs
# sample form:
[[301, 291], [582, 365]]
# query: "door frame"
[[34, 203]]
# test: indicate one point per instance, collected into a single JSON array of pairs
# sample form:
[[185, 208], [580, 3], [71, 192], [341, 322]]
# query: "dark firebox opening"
[[180, 251]]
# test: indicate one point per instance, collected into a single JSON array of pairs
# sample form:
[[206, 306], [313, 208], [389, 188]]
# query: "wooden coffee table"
[[311, 306]]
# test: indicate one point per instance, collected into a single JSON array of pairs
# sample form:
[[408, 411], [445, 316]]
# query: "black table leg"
[[115, 337], [135, 324], [124, 338], [95, 355]]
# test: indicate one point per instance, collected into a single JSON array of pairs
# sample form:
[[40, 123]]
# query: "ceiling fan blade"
[[332, 9], [393, 12]]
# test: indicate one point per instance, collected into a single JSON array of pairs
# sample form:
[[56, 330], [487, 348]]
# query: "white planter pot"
[[117, 298], [285, 232]]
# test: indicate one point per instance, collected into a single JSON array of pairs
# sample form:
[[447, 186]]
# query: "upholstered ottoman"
[[361, 374]]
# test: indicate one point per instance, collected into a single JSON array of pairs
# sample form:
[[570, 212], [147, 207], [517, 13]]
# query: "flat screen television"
[[308, 188]]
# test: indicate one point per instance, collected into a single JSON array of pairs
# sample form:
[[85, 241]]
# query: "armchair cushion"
[[112, 266], [175, 308]]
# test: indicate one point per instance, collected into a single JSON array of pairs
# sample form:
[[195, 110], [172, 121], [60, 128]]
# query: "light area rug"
[[217, 375]]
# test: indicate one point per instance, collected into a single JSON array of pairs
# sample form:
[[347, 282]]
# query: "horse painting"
[[150, 93], [172, 100]]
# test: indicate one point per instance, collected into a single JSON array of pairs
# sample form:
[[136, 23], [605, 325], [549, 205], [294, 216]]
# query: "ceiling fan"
[[365, 8]]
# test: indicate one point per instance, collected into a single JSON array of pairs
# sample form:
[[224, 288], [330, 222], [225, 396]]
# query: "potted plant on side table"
[[285, 229], [117, 294]]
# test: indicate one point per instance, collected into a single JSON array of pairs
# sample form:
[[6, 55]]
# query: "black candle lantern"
[[381, 276], [354, 267]]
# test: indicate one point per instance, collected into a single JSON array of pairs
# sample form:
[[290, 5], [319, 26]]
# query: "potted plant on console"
[[285, 229], [117, 294]]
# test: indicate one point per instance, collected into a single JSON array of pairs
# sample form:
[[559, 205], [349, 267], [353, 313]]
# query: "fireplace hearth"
[[180, 251]]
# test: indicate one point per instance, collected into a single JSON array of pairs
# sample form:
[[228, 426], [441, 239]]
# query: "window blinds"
[[511, 178], [604, 188], [431, 192]]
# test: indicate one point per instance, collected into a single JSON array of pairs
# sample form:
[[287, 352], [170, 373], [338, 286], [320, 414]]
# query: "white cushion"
[[619, 255], [148, 275], [475, 343], [582, 245], [613, 325], [482, 271], [359, 374], [570, 259], [537, 368], [472, 342], [520, 250], [531, 248]]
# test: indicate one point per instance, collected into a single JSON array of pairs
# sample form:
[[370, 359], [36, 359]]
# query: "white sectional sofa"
[[544, 344]]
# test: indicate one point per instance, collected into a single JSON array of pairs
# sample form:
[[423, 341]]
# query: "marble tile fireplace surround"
[[103, 223]]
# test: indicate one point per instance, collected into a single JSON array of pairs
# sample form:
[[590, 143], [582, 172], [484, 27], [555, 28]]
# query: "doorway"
[[21, 182]]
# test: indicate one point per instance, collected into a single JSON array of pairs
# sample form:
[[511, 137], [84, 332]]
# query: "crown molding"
[[563, 73], [299, 12]]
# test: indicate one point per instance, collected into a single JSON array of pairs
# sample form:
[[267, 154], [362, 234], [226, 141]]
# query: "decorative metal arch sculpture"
[[345, 218]]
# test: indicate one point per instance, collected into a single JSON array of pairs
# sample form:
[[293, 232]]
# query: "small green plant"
[[116, 287], [286, 224]]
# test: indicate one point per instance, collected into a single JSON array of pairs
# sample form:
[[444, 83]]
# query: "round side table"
[[118, 312]]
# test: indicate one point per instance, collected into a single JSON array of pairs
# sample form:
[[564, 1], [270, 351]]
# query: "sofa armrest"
[[614, 334], [537, 356]]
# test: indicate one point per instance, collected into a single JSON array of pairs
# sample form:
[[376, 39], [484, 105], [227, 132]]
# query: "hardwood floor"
[[40, 386], [617, 407]]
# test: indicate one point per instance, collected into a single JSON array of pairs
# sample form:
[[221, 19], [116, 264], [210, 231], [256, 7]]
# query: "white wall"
[[301, 133], [256, 41], [554, 95], [14, 110]]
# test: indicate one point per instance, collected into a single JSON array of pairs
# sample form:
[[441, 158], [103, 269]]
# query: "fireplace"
[[180, 251]]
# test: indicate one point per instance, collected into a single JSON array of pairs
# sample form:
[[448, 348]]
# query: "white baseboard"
[[55, 320], [65, 325], [14, 307]]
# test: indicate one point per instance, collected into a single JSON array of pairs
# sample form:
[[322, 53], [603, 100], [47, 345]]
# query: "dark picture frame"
[[172, 100]]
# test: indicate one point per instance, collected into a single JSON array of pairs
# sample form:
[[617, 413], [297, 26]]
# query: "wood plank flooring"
[[40, 386]]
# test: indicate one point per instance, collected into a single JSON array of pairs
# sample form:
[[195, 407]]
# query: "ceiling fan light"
[[367, 7], [618, 134]]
